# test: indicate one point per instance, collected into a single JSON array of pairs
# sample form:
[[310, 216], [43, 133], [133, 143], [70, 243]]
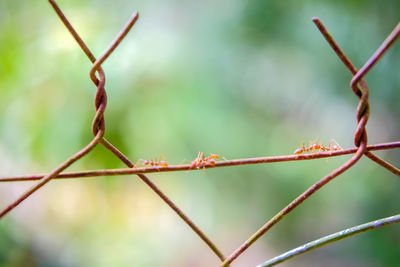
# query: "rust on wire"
[[357, 84]]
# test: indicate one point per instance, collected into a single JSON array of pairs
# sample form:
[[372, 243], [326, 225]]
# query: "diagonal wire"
[[355, 230], [169, 202], [107, 144], [383, 163], [54, 173], [121, 35]]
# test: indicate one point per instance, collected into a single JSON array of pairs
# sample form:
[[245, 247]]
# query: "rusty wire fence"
[[361, 148]]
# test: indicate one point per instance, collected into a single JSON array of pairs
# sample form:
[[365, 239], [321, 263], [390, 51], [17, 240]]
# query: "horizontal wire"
[[188, 167]]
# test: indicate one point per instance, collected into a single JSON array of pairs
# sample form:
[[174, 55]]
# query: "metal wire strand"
[[121, 35], [188, 167], [355, 230]]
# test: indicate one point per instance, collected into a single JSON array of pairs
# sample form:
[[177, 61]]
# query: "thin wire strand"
[[355, 230], [71, 29], [389, 41], [383, 163], [187, 167], [121, 35]]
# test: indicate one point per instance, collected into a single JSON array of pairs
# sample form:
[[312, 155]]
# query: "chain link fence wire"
[[358, 86]]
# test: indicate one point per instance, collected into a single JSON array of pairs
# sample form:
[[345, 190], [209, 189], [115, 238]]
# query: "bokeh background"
[[242, 78]]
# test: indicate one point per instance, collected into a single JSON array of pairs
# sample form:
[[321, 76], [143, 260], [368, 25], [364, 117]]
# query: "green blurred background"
[[243, 78]]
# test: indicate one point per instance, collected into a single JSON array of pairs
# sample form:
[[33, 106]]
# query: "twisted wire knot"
[[360, 134], [363, 106], [100, 100]]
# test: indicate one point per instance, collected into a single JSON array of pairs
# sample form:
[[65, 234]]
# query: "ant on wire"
[[162, 162], [202, 161], [314, 146]]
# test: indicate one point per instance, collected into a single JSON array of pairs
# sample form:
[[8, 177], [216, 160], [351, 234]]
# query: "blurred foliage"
[[243, 78]]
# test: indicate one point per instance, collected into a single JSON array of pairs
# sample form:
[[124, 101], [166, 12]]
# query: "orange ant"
[[202, 161], [314, 146], [211, 159], [162, 162]]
